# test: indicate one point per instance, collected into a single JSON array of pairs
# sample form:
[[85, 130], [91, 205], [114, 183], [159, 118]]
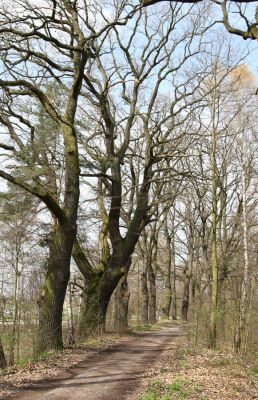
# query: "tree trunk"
[[71, 333], [240, 330], [96, 298], [14, 327], [122, 296], [145, 297], [92, 321], [117, 263], [249, 312], [165, 308], [52, 295], [3, 363], [152, 295], [214, 261], [173, 283], [186, 293]]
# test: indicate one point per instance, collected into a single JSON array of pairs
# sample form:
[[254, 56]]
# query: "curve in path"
[[111, 375]]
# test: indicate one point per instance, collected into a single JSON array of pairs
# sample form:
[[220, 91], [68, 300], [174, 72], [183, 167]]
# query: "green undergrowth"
[[157, 326], [24, 361], [97, 341], [143, 328], [178, 389]]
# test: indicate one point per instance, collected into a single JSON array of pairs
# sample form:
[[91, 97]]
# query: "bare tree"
[[32, 55], [228, 8], [136, 116]]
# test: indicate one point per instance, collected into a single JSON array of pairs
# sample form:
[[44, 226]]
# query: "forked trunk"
[[96, 298]]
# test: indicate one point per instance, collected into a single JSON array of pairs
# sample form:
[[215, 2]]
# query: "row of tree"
[[121, 122]]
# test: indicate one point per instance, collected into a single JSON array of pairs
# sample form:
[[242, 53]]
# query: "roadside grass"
[[186, 372], [27, 358], [94, 342], [152, 327], [142, 328], [179, 389]]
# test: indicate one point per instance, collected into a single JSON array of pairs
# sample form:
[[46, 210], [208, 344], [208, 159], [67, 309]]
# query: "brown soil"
[[112, 374]]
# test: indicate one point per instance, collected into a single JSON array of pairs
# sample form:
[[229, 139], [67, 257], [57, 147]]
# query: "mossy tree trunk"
[[122, 296], [53, 291], [93, 311], [96, 298]]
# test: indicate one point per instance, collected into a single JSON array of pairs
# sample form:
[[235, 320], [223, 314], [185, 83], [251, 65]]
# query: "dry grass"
[[184, 373]]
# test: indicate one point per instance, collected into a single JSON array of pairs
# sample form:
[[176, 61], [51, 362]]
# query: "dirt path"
[[111, 375]]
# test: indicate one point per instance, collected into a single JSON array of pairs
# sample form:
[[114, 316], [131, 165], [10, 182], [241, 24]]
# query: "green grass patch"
[[100, 340], [23, 361], [179, 389], [143, 328]]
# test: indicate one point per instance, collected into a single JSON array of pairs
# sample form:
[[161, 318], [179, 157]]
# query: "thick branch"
[[39, 192]]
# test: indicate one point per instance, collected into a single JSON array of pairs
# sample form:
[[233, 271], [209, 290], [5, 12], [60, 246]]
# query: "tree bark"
[[96, 298], [92, 319], [52, 295], [71, 333], [152, 294], [122, 296], [15, 320], [3, 363], [173, 283], [186, 293], [214, 261], [145, 297], [165, 308], [241, 325]]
